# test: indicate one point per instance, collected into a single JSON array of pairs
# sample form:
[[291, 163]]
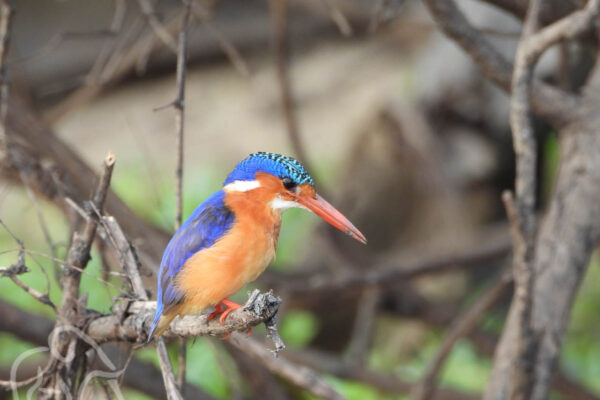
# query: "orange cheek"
[[307, 190]]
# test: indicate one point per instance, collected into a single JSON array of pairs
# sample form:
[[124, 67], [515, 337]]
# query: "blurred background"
[[392, 120]]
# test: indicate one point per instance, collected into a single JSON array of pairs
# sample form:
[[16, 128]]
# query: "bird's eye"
[[288, 183]]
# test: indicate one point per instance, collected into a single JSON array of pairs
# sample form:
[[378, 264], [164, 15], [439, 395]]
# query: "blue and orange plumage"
[[232, 236]]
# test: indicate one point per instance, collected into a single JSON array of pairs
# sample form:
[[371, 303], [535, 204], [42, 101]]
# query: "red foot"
[[218, 310], [232, 306], [224, 313]]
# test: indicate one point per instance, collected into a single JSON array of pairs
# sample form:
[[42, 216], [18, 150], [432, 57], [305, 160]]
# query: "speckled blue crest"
[[274, 164]]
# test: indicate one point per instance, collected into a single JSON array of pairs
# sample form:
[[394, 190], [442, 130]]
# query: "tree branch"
[[553, 104], [131, 321]]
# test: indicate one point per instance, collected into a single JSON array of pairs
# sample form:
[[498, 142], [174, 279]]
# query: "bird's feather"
[[208, 223]]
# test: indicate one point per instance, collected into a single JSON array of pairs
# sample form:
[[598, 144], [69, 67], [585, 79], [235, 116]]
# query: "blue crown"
[[274, 164]]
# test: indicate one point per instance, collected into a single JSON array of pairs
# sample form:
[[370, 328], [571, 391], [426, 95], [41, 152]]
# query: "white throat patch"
[[279, 204], [241, 186]]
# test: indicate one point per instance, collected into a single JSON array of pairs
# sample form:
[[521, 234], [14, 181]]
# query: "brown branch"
[[5, 24], [461, 326], [131, 322], [553, 104], [179, 105], [338, 17], [232, 53], [157, 27], [279, 20], [130, 266], [300, 376], [386, 383], [521, 211], [387, 276], [70, 312]]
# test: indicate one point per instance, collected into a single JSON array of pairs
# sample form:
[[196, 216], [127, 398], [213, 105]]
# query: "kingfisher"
[[231, 237]]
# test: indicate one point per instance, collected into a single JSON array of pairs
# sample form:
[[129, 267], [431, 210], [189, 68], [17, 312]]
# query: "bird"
[[231, 237]]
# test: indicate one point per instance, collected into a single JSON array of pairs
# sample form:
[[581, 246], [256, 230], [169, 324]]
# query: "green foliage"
[[581, 350], [298, 328], [551, 158]]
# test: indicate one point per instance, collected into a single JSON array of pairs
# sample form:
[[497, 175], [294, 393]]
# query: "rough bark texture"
[[568, 234]]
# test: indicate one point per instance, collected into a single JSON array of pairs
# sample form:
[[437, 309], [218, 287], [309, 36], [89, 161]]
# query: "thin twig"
[[5, 24], [279, 20], [157, 27], [462, 326], [179, 105], [338, 17], [20, 268]]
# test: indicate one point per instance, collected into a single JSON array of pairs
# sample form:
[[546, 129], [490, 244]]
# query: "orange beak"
[[323, 209]]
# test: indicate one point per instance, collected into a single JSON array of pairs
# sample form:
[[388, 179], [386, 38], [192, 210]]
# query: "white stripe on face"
[[279, 204], [241, 186]]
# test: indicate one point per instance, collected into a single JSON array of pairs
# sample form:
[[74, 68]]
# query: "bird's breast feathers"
[[236, 258]]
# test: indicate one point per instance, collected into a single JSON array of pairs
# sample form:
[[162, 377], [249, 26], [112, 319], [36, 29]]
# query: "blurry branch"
[[338, 17], [358, 348], [42, 221], [461, 326], [279, 20], [157, 27], [330, 364], [5, 23], [56, 171], [300, 376], [384, 11], [386, 276], [553, 104], [260, 381], [227, 46], [124, 60], [131, 321]]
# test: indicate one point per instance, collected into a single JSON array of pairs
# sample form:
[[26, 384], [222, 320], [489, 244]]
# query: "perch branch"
[[131, 322]]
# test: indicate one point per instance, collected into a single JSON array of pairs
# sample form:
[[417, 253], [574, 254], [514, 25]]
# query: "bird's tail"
[[160, 324]]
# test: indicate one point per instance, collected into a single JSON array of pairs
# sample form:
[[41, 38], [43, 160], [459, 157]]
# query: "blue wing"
[[210, 221]]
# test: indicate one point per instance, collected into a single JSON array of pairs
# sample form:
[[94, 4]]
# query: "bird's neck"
[[255, 208]]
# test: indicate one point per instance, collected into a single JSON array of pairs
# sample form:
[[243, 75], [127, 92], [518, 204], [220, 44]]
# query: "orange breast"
[[239, 257]]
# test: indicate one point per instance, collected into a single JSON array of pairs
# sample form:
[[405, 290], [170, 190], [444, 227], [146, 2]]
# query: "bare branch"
[[300, 376], [70, 312], [386, 383], [553, 104], [462, 325], [157, 27], [5, 23], [131, 322], [279, 21]]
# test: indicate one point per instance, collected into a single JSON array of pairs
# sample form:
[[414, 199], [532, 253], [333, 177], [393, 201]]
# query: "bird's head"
[[282, 182]]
